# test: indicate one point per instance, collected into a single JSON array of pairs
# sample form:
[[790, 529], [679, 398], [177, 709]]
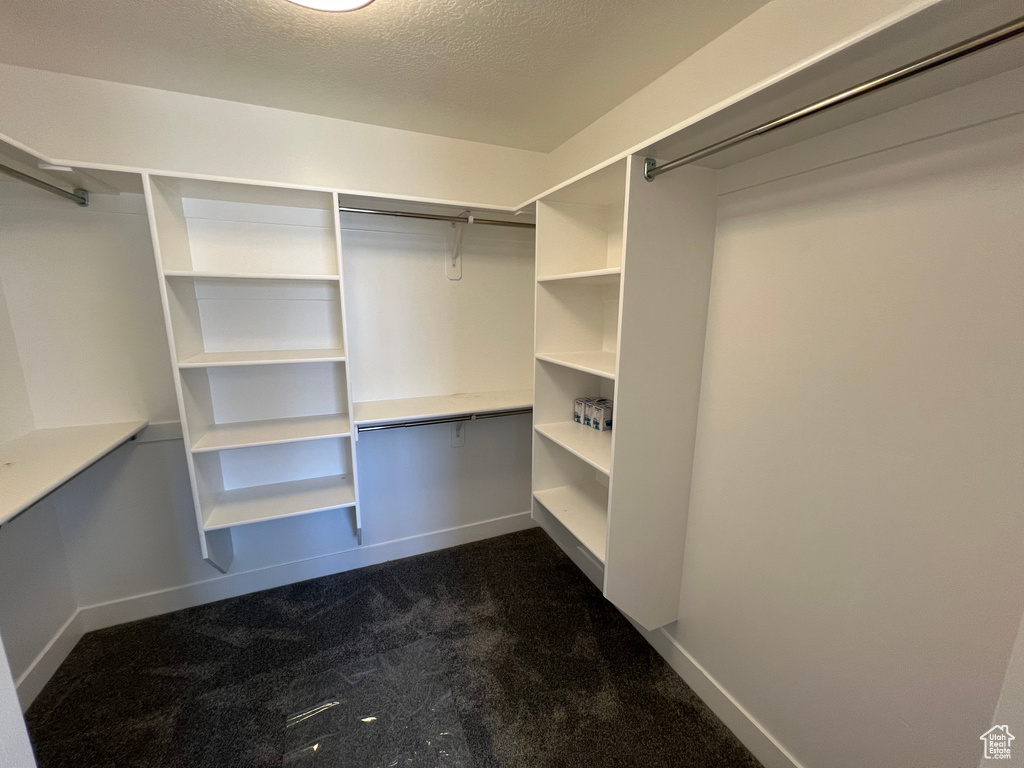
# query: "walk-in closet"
[[511, 386]]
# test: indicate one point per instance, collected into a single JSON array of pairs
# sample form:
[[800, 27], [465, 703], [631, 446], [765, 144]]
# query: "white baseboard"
[[31, 681], [92, 617], [235, 584], [747, 729]]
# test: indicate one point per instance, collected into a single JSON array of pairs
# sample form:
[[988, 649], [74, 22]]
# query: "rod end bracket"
[[82, 195], [649, 165]]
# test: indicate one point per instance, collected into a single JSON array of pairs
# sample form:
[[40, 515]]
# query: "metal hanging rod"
[[978, 43], [79, 196], [444, 420], [438, 217]]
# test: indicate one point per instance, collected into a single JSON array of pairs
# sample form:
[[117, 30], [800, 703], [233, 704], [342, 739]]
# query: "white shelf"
[[35, 464], [592, 276], [599, 363], [586, 443], [246, 276], [408, 409], [242, 434], [271, 502], [271, 357], [584, 514]]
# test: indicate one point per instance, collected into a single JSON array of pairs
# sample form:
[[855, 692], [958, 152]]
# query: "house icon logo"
[[997, 742]]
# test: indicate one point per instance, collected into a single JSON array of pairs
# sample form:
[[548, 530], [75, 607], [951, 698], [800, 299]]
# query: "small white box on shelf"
[[580, 409], [601, 415]]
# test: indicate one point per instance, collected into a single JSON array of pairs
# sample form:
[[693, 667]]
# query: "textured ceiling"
[[522, 73]]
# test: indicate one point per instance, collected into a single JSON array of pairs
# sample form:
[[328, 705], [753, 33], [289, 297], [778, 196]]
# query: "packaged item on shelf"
[[580, 409], [601, 415]]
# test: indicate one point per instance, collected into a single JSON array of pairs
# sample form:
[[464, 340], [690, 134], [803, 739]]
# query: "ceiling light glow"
[[333, 5]]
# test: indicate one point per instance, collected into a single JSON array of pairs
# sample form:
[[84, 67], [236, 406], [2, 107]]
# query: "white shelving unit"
[[607, 276], [592, 446], [579, 281], [37, 463], [598, 363], [219, 437], [264, 357], [623, 272], [579, 269], [243, 276], [373, 412], [251, 284], [276, 500], [583, 510]]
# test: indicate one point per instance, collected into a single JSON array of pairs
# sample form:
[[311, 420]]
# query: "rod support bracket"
[[83, 195], [649, 165]]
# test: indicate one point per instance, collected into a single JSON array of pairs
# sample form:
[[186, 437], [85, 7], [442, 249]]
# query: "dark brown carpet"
[[499, 653]]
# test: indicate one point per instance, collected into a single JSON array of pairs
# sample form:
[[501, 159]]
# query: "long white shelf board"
[[241, 434], [199, 275], [586, 443], [584, 514], [259, 503], [592, 276], [270, 357], [598, 363], [39, 462], [442, 406]]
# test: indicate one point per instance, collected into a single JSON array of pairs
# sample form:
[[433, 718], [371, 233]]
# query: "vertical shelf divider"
[[169, 233], [669, 245], [336, 226]]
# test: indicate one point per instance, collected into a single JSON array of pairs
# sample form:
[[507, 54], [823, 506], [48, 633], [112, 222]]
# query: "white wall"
[[412, 481], [415, 333], [129, 525], [38, 597], [82, 295], [15, 411], [97, 122], [851, 573], [15, 750]]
